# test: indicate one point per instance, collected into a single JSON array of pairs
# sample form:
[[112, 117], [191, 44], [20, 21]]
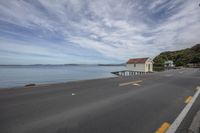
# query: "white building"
[[140, 65], [169, 64]]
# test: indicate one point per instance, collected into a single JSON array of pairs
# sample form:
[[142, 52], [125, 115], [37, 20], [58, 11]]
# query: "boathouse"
[[140, 65]]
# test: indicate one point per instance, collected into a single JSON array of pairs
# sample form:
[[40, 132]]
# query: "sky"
[[94, 31]]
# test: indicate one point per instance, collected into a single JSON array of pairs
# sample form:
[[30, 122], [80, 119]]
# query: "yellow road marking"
[[174, 126], [188, 99], [128, 83], [163, 128]]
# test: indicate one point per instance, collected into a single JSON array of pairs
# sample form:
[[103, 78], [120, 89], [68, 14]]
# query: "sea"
[[21, 75]]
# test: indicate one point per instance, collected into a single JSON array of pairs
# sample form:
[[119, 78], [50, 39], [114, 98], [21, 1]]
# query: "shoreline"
[[19, 77], [52, 84], [77, 81]]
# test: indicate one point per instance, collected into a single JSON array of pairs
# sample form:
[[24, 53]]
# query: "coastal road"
[[136, 104]]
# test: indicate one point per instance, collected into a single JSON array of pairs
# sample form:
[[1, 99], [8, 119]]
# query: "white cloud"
[[109, 27], [155, 4]]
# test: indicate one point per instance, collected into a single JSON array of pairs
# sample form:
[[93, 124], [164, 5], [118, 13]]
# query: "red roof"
[[137, 60]]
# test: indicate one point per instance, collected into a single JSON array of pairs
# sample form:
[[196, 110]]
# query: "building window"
[[134, 65]]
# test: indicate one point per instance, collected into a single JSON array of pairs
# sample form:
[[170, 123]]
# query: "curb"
[[195, 126]]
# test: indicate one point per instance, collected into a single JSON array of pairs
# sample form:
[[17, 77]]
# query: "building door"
[[149, 67]]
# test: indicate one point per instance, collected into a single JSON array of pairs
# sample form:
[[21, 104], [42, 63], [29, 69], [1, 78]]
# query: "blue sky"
[[94, 31]]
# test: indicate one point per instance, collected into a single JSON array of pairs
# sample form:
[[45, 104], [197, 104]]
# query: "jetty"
[[129, 73]]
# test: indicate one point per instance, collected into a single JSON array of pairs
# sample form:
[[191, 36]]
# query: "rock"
[[29, 85]]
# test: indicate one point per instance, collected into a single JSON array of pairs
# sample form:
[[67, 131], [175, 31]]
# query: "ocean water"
[[14, 76]]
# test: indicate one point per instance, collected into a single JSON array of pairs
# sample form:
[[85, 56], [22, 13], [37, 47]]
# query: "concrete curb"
[[195, 126]]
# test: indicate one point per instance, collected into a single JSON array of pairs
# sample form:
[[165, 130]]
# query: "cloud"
[[72, 29]]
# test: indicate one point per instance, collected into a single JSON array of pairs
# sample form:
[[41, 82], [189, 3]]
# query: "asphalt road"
[[137, 104]]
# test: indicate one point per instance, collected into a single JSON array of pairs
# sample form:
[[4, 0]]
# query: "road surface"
[[137, 104]]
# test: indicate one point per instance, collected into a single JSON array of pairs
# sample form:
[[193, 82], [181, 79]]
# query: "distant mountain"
[[180, 57], [122, 64]]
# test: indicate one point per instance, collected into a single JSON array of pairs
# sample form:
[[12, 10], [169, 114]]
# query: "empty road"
[[137, 104]]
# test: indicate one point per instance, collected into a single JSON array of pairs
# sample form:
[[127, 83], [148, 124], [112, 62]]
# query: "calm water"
[[13, 76]]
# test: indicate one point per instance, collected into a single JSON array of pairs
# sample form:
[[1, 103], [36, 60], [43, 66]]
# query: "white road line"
[[136, 84], [128, 83], [174, 126]]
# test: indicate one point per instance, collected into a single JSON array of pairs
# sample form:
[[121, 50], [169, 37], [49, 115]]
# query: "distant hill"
[[122, 64], [180, 57]]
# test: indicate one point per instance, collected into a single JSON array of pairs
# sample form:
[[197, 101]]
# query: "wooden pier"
[[129, 73]]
